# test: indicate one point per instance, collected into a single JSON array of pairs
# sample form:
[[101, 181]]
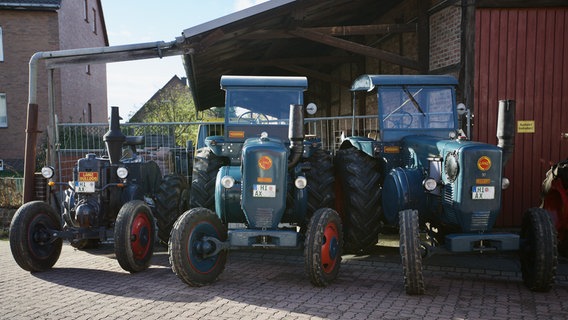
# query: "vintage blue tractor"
[[422, 175], [119, 196], [260, 185]]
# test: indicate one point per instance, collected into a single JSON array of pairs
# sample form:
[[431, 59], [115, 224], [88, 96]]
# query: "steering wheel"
[[255, 117], [404, 120]]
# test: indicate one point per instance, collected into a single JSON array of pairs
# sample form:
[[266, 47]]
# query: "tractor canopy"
[[412, 105], [252, 102]]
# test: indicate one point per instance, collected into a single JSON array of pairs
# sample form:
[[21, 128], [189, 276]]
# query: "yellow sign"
[[525, 126]]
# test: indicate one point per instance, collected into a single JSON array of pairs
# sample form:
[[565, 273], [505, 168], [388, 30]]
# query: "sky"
[[132, 83]]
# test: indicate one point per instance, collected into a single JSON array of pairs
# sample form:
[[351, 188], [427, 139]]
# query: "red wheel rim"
[[329, 247], [140, 235]]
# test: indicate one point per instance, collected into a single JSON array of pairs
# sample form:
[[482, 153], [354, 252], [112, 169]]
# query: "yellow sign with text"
[[525, 126]]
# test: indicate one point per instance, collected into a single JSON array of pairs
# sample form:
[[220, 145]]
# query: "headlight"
[[430, 184], [47, 172], [451, 167], [122, 172], [301, 182], [227, 182], [505, 183]]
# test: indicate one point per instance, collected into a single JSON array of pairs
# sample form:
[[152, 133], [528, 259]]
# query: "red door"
[[522, 54]]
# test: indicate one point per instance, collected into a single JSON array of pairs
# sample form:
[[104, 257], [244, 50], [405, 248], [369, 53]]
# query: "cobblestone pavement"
[[271, 285]]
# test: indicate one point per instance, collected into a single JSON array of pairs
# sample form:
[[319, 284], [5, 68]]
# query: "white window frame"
[[3, 110], [1, 46]]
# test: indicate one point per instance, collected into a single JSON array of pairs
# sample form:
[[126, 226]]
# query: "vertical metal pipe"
[[30, 152]]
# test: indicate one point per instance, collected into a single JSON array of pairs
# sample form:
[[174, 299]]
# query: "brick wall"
[[445, 38], [26, 32], [82, 85]]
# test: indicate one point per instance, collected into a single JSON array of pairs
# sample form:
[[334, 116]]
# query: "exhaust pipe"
[[114, 137], [506, 128], [296, 134]]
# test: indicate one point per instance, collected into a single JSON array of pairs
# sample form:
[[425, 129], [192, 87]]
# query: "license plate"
[[264, 190], [482, 193], [84, 187]]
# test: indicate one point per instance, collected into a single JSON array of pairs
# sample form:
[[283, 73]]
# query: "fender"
[[362, 143]]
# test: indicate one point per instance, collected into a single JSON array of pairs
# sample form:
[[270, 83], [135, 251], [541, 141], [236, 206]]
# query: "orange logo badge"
[[484, 163], [265, 162]]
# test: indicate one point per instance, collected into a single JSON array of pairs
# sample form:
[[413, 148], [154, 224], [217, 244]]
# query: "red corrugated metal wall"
[[522, 54]]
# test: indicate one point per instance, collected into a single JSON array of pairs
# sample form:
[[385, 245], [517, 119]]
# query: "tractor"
[[118, 195], [554, 197], [422, 176], [261, 184]]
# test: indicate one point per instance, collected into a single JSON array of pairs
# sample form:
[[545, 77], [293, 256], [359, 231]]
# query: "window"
[[90, 113], [86, 7], [94, 25], [1, 46], [3, 112]]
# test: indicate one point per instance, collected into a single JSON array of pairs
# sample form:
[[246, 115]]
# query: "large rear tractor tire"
[[323, 247], [31, 242], [538, 250], [410, 252], [191, 254], [321, 193], [172, 200], [359, 200], [205, 168], [134, 236]]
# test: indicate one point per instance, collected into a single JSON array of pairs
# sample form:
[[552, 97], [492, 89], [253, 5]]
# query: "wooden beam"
[[520, 3], [335, 31], [355, 47], [366, 30], [316, 75], [321, 60]]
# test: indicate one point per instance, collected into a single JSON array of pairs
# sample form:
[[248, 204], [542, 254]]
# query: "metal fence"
[[170, 144]]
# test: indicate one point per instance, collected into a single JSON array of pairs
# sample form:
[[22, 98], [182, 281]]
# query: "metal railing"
[[170, 144]]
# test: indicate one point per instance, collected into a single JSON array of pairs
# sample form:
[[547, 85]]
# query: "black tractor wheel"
[[205, 168], [358, 193], [323, 247], [410, 252], [134, 236], [31, 240], [194, 258], [320, 188], [171, 201], [538, 250]]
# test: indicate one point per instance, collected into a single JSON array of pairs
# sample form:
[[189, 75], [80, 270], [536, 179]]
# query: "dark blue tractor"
[[259, 185], [422, 175], [117, 196]]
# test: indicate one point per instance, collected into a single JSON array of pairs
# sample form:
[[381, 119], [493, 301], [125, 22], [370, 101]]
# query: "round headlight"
[[451, 167], [505, 183], [430, 184], [122, 172], [47, 172], [227, 182], [301, 182]]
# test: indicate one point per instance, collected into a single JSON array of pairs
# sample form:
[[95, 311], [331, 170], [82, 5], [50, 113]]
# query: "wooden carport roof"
[[288, 37]]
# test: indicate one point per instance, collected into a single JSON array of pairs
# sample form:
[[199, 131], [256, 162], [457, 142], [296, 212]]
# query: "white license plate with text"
[[482, 192], [85, 186], [264, 190]]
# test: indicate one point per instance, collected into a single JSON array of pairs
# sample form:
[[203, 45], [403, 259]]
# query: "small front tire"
[[323, 247], [410, 252], [33, 246], [190, 252], [538, 250], [134, 236]]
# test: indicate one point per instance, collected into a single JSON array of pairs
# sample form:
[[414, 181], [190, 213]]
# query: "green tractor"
[[422, 176], [260, 185]]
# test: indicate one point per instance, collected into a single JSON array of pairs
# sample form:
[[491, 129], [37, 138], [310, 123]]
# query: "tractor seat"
[[134, 140]]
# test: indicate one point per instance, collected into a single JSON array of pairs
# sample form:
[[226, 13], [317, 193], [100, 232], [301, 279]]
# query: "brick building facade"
[[27, 27]]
